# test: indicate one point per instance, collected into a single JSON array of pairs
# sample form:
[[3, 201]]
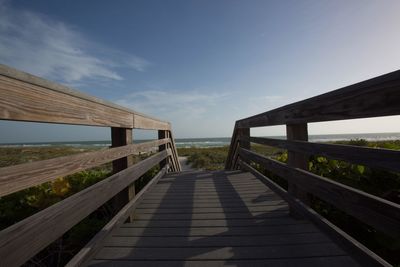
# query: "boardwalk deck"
[[215, 219]]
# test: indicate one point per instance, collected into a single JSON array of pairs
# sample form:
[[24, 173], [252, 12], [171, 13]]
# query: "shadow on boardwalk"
[[199, 218]]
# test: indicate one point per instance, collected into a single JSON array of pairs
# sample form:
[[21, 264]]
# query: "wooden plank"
[[24, 239], [213, 216], [212, 223], [85, 254], [374, 157], [224, 197], [362, 254], [220, 231], [216, 204], [379, 213], [141, 121], [333, 261], [22, 176], [206, 201], [371, 98], [21, 101], [214, 241], [216, 188], [212, 253], [26, 97], [194, 210], [196, 196]]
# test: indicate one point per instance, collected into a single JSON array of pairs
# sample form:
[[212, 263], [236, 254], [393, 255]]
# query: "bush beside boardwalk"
[[20, 205]]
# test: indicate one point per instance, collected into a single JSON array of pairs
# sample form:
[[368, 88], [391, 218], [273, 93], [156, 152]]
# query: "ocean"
[[216, 142]]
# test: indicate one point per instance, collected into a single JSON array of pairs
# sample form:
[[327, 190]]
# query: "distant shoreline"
[[213, 141]]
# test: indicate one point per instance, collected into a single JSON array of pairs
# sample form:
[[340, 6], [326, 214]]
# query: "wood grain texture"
[[96, 242], [222, 241], [233, 232], [332, 261], [379, 213], [26, 97], [241, 253], [23, 240], [22, 176], [143, 122], [361, 253], [371, 98], [21, 101], [373, 157]]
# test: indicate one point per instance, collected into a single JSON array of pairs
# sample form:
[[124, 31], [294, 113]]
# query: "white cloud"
[[189, 104], [52, 49], [189, 112]]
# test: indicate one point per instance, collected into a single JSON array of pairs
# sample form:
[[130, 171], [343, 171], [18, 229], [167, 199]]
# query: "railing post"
[[122, 137], [297, 160], [241, 134], [161, 135]]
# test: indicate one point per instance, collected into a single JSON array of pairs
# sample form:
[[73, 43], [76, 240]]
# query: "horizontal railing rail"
[[22, 176], [24, 97], [381, 158], [377, 212], [372, 98]]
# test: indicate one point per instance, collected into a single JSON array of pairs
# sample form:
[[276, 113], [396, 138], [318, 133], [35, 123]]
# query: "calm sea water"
[[218, 142]]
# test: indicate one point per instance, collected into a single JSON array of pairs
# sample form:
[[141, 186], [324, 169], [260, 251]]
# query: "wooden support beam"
[[122, 137], [161, 135], [297, 159], [243, 135]]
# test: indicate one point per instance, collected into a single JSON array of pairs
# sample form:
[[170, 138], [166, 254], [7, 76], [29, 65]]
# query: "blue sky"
[[200, 64]]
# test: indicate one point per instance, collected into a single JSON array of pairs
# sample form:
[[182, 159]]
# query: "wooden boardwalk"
[[215, 219]]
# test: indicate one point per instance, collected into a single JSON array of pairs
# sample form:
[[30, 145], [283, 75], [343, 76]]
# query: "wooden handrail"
[[24, 97], [376, 97]]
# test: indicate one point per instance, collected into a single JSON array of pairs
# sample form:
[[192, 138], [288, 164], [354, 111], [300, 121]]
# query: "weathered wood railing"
[[24, 97], [372, 98]]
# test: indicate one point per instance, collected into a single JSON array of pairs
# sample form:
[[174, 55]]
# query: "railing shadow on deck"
[[24, 97], [179, 245], [376, 97]]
